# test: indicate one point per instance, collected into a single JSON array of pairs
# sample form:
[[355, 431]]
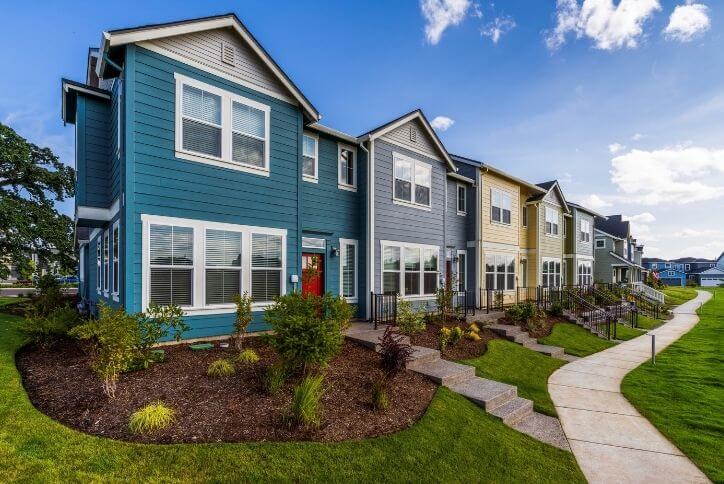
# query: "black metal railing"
[[384, 308], [588, 314], [464, 303]]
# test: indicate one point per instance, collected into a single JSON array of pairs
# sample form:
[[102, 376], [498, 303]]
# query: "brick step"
[[514, 411], [446, 373], [488, 394]]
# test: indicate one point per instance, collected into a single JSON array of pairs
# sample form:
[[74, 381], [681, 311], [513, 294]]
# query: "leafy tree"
[[32, 179]]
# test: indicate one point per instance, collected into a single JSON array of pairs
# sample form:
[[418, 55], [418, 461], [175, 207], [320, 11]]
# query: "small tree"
[[408, 320], [157, 323], [445, 298], [243, 318]]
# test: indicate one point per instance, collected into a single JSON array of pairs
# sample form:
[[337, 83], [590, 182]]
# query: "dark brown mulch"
[[463, 350], [232, 409], [540, 328]]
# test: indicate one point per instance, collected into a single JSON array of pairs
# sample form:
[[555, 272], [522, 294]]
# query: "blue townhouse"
[[203, 171], [677, 272]]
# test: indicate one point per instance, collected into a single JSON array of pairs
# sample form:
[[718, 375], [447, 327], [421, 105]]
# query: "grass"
[[511, 363], [7, 301], [683, 395], [625, 333], [674, 296], [645, 322], [151, 418], [575, 340], [454, 441]]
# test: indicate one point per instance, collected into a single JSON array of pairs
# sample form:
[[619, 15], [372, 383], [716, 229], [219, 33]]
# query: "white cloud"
[[614, 148], [688, 21], [594, 202], [688, 233], [609, 26], [498, 27], [675, 175], [644, 218], [441, 14], [566, 178], [638, 136], [640, 227], [442, 123]]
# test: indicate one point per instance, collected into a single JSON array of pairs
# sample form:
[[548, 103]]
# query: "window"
[[310, 157], [266, 267], [201, 265], [687, 267], [221, 128], [654, 265], [106, 263], [671, 273], [413, 180], [116, 259], [409, 269], [223, 266], [524, 215], [171, 265], [347, 168], [462, 271], [551, 221], [500, 272], [313, 243], [99, 271], [601, 244], [462, 199], [551, 273], [564, 272], [585, 273], [500, 206], [348, 268], [667, 265], [585, 231]]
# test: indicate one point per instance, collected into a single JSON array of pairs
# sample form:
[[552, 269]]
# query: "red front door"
[[312, 274]]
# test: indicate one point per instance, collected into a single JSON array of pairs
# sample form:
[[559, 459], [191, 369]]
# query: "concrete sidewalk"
[[610, 439]]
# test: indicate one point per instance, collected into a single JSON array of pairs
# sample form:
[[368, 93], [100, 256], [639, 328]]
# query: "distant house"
[[672, 277], [618, 257], [692, 267]]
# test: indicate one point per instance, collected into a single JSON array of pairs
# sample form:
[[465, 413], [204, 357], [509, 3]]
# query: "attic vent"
[[227, 53], [413, 134]]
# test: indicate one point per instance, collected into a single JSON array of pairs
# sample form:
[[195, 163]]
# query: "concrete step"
[[371, 339], [488, 394], [422, 355], [544, 428], [514, 411], [505, 329], [554, 351], [568, 358], [446, 373]]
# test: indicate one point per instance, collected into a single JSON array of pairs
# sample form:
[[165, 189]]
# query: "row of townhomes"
[[678, 272], [203, 171]]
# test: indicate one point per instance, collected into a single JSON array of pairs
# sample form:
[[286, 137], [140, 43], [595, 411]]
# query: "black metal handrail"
[[384, 308], [588, 314]]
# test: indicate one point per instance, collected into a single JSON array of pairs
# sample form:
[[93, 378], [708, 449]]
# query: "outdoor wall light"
[[335, 251]]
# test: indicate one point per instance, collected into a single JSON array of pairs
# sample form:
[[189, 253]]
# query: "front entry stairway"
[[498, 399]]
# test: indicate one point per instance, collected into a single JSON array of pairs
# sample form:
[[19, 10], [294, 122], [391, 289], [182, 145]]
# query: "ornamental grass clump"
[[273, 378], [306, 409], [151, 418], [247, 357], [220, 368], [378, 387]]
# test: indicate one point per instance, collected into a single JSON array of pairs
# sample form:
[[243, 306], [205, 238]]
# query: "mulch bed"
[[231, 409], [463, 350], [542, 328]]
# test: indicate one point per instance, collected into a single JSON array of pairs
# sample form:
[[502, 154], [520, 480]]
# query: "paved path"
[[610, 439]]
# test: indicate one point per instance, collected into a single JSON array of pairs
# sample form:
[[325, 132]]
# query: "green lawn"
[[683, 394], [575, 340], [455, 441], [674, 296], [625, 333], [516, 365], [645, 322], [7, 301]]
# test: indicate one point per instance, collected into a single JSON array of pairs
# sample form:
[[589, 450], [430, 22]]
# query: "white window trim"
[[495, 270], [558, 222], [588, 275], [464, 253], [402, 246], [199, 257], [524, 216], [587, 233], [411, 203], [457, 199], [81, 262], [503, 194], [342, 184], [99, 263], [310, 178], [227, 98], [549, 260], [342, 244], [116, 262], [106, 255], [602, 246]]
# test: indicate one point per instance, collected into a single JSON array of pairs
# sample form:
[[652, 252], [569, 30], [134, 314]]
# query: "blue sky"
[[623, 101]]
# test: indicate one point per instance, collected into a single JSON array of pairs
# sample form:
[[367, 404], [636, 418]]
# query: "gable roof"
[[548, 186], [69, 97], [614, 225], [405, 118], [585, 209], [497, 171], [115, 38], [712, 270]]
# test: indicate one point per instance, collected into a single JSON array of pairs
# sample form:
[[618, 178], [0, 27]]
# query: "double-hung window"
[[500, 206], [551, 221], [585, 273], [348, 269], [223, 266], [347, 167], [461, 199], [99, 262], [600, 244], [116, 260], [221, 128], [585, 231], [430, 268], [551, 273], [462, 281], [524, 215], [106, 262], [310, 154], [409, 269], [412, 181], [500, 272], [391, 268], [266, 267], [171, 265]]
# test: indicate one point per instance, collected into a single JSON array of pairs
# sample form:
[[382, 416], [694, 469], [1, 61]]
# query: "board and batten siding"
[[92, 152], [158, 183]]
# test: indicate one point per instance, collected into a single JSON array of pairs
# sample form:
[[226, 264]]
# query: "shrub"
[[443, 337], [220, 368], [455, 335], [338, 310], [408, 320], [247, 357], [113, 343], [556, 309], [444, 298], [243, 318], [272, 378], [49, 296], [307, 330], [306, 406], [378, 387], [157, 323], [472, 336], [395, 353], [45, 331], [474, 328], [151, 418]]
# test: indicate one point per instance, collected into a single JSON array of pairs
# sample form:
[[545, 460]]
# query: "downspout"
[[370, 226], [479, 237], [444, 233]]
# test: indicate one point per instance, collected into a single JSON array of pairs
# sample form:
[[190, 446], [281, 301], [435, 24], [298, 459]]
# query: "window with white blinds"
[[412, 180], [116, 260], [551, 221], [310, 153], [223, 266], [347, 167], [201, 266], [348, 269], [105, 262], [99, 262], [500, 206], [221, 128]]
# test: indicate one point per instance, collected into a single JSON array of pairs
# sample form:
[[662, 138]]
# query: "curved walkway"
[[610, 439]]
